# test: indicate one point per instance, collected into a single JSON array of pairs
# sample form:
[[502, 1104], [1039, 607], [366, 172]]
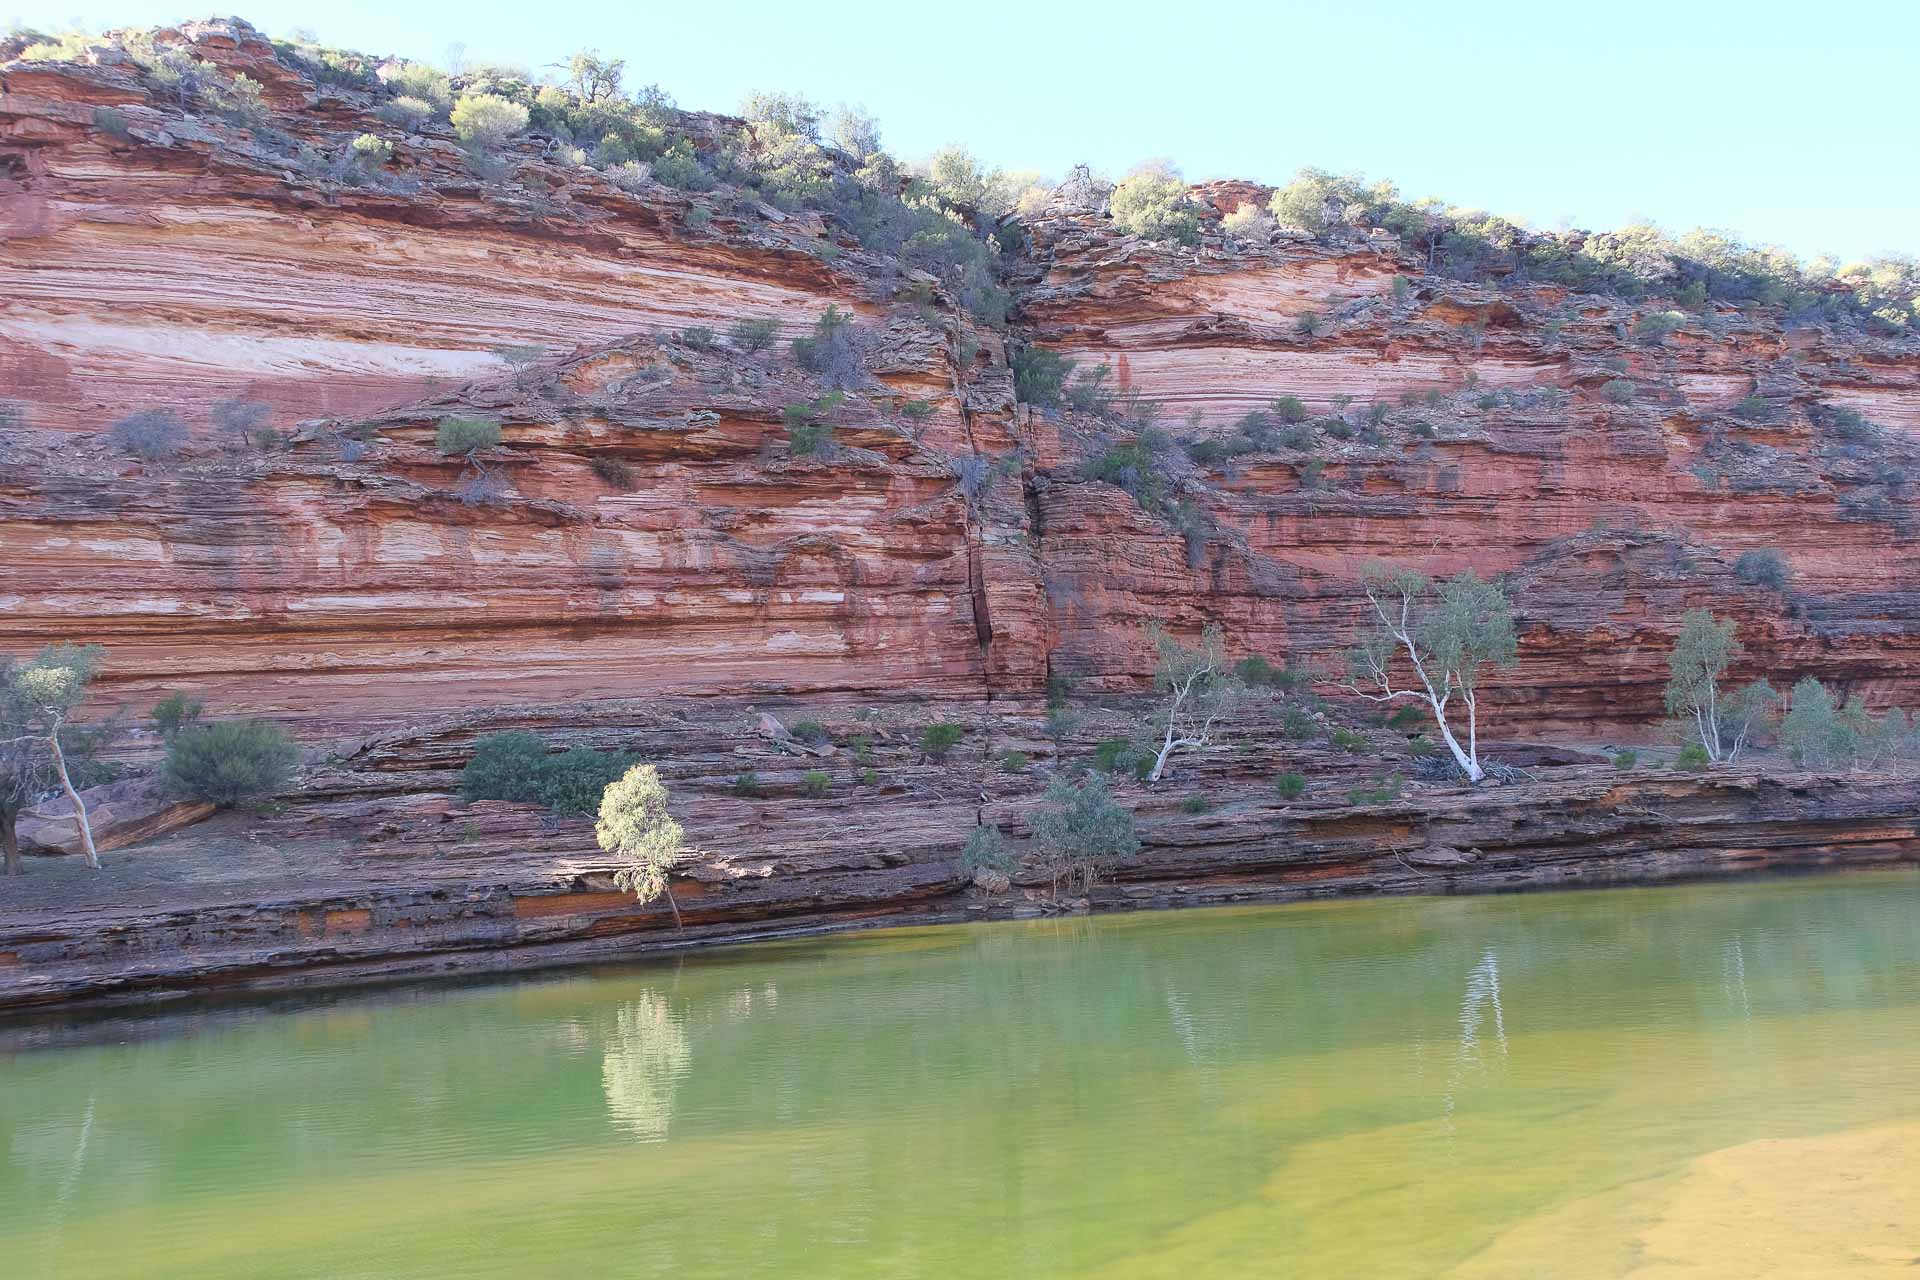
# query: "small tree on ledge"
[[1201, 690], [635, 825], [1445, 633]]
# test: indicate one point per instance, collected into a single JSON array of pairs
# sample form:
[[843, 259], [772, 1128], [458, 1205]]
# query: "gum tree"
[[635, 825], [1704, 650], [1200, 689], [1432, 642], [36, 701]]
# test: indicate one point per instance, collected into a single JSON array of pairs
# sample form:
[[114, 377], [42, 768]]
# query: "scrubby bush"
[[629, 175], [572, 782], [1040, 375], [815, 782], [505, 766], [612, 470], [1384, 790], [485, 121], [680, 169], [746, 784], [811, 732], [697, 336], [1626, 759], [939, 738], [231, 762], [1196, 803], [1013, 762], [175, 712], [1081, 829], [987, 850], [1152, 203], [406, 111], [1290, 410], [1693, 758], [1290, 786], [832, 351], [1348, 741], [462, 437], [371, 149], [1753, 408], [1763, 567], [1654, 326], [1249, 222], [753, 336], [1617, 391], [1297, 723], [150, 435]]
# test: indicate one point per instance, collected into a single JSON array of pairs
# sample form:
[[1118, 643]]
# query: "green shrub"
[[1763, 567], [987, 850], [917, 410], [746, 784], [1753, 408], [505, 766], [939, 738], [1692, 757], [1626, 759], [1113, 754], [1421, 746], [485, 120], [1290, 409], [1383, 791], [862, 749], [680, 169], [459, 437], [371, 149], [230, 762], [832, 351], [808, 439], [809, 731], [1617, 391], [697, 336], [1348, 741], [572, 782], [1013, 762], [815, 782], [1196, 803], [1298, 724], [869, 777], [1654, 326], [1082, 828], [1290, 786], [1310, 324], [753, 336], [1152, 203], [175, 712], [1040, 376]]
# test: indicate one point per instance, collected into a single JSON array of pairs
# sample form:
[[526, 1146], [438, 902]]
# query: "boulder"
[[122, 813]]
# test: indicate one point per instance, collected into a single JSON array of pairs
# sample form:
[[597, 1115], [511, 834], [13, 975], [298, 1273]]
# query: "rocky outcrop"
[[335, 579], [473, 897], [651, 558]]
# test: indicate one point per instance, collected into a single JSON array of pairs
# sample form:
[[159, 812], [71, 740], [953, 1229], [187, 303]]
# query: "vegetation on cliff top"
[[952, 215]]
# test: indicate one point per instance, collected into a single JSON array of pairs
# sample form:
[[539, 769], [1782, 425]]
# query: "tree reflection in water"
[[647, 1053]]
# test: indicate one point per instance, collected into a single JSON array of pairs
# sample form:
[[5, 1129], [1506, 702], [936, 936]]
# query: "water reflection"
[[647, 1053]]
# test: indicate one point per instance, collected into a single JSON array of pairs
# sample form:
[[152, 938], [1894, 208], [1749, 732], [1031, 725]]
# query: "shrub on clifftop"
[[485, 120], [1152, 203]]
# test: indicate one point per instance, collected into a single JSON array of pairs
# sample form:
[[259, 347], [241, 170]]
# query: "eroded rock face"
[[646, 528]]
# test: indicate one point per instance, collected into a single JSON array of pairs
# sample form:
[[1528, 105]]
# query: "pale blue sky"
[[1790, 123]]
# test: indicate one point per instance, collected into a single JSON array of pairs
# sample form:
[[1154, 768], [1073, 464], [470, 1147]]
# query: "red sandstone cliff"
[[161, 259]]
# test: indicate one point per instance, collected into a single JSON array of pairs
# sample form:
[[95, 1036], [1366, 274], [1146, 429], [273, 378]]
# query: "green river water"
[[1710, 1080]]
